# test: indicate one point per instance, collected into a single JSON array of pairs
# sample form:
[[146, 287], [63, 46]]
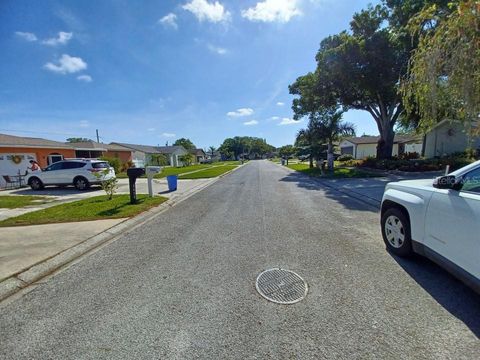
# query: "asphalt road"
[[183, 286]]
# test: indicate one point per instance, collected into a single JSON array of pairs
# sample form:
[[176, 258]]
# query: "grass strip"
[[208, 173], [94, 208], [19, 201]]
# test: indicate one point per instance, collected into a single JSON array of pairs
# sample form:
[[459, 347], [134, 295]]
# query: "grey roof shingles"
[[10, 140], [150, 149]]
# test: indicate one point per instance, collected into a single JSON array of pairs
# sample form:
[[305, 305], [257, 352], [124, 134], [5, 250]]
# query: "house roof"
[[95, 146], [21, 141], [150, 149], [87, 145], [374, 139], [198, 152]]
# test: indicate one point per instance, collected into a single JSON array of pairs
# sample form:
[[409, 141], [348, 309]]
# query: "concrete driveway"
[[183, 286]]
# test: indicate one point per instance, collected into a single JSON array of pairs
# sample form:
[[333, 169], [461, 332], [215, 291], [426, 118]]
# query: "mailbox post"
[[133, 174], [151, 170]]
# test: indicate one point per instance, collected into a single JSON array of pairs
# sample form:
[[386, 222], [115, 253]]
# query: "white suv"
[[439, 219], [80, 173]]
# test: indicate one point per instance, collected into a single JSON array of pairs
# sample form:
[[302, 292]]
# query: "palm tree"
[[212, 150], [325, 126], [308, 139], [333, 129]]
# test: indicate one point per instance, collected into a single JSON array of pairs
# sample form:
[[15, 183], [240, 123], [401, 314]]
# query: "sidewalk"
[[367, 190]]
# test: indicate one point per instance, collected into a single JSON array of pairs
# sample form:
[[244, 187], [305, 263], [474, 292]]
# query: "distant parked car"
[[77, 172], [439, 219]]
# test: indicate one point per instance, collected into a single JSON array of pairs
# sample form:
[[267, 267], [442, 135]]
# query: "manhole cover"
[[281, 286]]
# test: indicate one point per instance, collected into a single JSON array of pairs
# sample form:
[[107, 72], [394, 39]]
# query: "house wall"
[[365, 150], [123, 156], [410, 148], [446, 139], [8, 167], [41, 154], [139, 158]]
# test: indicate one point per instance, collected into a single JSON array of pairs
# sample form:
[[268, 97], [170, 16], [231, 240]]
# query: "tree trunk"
[[330, 157], [310, 159], [385, 143], [385, 116]]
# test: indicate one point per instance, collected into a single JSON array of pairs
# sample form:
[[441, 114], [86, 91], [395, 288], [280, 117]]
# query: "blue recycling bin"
[[172, 182]]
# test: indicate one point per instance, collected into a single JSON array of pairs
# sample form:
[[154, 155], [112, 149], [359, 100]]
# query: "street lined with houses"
[[171, 289]]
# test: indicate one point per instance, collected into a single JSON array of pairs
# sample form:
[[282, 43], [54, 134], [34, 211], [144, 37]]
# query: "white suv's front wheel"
[[35, 183], [396, 232], [81, 183]]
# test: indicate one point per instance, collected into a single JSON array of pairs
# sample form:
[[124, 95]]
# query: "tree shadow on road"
[[349, 202], [454, 296]]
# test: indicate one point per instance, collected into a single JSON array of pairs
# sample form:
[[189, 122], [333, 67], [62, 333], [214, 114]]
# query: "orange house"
[[17, 151]]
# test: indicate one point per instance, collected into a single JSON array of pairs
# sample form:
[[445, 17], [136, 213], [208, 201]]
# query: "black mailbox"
[[133, 174]]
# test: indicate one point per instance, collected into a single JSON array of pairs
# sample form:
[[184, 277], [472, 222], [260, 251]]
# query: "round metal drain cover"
[[281, 286]]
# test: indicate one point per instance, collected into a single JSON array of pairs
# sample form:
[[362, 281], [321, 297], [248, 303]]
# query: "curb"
[[359, 197], [25, 278]]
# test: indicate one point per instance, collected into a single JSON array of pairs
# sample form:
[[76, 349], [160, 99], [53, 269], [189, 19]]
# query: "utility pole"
[[98, 138]]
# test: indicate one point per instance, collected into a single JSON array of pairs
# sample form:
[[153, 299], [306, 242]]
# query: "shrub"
[[409, 156], [186, 159], [127, 165], [345, 157], [113, 162], [110, 186]]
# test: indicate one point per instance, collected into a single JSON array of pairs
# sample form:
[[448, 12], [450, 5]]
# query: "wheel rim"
[[394, 231], [81, 184], [35, 184]]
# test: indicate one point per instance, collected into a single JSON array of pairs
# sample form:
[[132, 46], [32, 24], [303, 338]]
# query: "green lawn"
[[18, 201], [208, 173], [338, 172], [166, 171], [95, 208]]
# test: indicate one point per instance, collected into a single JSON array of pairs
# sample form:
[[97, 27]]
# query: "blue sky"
[[153, 71]]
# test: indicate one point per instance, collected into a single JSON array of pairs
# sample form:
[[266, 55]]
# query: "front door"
[[452, 226]]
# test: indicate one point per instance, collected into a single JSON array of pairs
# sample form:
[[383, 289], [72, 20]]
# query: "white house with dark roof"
[[142, 154], [365, 146]]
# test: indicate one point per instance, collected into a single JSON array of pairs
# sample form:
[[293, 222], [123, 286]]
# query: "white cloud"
[[26, 35], [66, 65], [288, 121], [273, 10], [84, 78], [168, 135], [84, 124], [274, 118], [61, 39], [169, 20], [203, 10], [151, 129], [217, 50], [240, 112], [250, 123], [280, 103]]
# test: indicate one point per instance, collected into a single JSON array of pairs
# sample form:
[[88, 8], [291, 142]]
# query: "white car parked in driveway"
[[80, 173], [439, 219]]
